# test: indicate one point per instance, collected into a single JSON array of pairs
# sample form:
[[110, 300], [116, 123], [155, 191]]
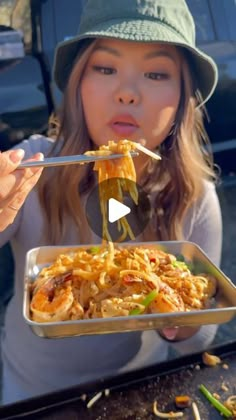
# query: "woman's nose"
[[127, 95]]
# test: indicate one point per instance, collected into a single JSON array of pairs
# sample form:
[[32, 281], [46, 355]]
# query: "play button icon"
[[119, 209], [116, 210]]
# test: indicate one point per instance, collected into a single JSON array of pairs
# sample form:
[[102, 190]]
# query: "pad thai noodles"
[[121, 177], [111, 281]]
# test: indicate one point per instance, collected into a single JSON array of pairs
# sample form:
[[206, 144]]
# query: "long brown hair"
[[181, 172]]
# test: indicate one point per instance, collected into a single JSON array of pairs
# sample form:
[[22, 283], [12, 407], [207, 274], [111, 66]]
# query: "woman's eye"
[[104, 70], [157, 76]]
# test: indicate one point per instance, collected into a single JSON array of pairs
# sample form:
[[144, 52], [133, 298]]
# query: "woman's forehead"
[[141, 46]]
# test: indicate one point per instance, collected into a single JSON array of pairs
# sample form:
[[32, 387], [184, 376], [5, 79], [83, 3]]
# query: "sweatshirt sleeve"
[[34, 144], [206, 224]]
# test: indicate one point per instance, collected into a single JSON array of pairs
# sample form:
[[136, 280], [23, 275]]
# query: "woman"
[[133, 71]]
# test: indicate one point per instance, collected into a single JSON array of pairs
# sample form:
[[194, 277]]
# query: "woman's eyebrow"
[[108, 49], [150, 55], [160, 53]]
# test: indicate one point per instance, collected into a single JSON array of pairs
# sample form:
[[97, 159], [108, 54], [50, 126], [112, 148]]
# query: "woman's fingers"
[[178, 333], [14, 202], [10, 160], [15, 186], [13, 182], [169, 333]]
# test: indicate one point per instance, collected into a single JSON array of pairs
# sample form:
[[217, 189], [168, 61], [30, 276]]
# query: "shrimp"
[[52, 301], [167, 300]]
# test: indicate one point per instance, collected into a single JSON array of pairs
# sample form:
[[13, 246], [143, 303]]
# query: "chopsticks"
[[70, 160]]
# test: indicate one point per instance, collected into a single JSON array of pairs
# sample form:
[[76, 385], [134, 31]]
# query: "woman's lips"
[[123, 125], [123, 128]]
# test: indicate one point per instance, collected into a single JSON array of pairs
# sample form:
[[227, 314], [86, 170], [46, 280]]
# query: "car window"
[[230, 13], [16, 14], [203, 20], [67, 24]]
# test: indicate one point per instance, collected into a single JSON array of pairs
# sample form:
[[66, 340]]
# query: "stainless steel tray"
[[223, 311]]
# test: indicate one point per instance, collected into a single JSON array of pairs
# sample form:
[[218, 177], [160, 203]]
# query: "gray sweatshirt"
[[34, 365]]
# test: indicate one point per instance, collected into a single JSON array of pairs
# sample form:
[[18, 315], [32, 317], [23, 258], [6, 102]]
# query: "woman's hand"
[[178, 333], [15, 184]]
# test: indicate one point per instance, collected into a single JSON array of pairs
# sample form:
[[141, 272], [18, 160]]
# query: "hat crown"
[[172, 13]]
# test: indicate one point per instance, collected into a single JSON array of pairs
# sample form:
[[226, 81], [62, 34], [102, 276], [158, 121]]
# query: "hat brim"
[[205, 69]]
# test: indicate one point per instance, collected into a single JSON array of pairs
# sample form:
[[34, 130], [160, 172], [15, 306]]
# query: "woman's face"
[[131, 91]]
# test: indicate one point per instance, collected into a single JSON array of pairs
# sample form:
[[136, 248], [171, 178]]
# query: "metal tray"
[[223, 311], [132, 393]]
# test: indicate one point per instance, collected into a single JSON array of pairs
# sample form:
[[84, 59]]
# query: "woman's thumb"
[[170, 333], [10, 160]]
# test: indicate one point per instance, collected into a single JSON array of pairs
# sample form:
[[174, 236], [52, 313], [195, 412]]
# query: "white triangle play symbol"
[[116, 210]]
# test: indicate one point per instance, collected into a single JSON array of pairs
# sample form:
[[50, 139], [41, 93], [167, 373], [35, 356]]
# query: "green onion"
[[180, 257], [148, 299], [137, 311], [183, 265], [179, 264], [216, 403], [94, 250]]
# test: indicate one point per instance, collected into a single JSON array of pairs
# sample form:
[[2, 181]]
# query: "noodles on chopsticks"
[[121, 177]]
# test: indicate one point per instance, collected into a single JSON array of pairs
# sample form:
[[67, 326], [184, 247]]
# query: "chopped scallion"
[[145, 303], [94, 250], [216, 403], [179, 264]]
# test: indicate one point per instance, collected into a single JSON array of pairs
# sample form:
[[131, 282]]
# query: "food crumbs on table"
[[225, 366], [210, 359], [230, 403], [224, 387], [182, 401], [196, 411], [94, 399], [107, 392], [169, 415]]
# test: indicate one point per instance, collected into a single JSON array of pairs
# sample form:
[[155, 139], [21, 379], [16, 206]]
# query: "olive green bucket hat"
[[165, 21]]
